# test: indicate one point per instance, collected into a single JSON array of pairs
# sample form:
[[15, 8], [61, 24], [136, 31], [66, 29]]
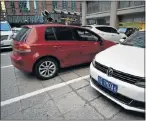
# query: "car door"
[[66, 48], [114, 34], [88, 42]]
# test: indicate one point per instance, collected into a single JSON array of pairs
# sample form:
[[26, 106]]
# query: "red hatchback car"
[[43, 49]]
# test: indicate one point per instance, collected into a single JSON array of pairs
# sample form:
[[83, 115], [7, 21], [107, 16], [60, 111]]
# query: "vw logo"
[[109, 71]]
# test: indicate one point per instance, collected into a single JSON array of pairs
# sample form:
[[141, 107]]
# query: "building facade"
[[112, 12], [2, 11], [30, 10]]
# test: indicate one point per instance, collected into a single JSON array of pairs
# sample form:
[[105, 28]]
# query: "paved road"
[[67, 96]]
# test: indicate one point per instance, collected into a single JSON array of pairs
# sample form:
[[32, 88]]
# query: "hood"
[[6, 33], [127, 59]]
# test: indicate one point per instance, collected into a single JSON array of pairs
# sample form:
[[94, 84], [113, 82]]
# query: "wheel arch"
[[47, 56]]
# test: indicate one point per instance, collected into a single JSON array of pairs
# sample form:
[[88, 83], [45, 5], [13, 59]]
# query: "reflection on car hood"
[[127, 59]]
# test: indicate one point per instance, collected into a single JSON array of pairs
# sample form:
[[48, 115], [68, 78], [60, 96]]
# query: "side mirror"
[[121, 40], [100, 42]]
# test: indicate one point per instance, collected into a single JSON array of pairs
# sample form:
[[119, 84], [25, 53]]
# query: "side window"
[[104, 29], [49, 34], [85, 35], [107, 29], [63, 33], [113, 30]]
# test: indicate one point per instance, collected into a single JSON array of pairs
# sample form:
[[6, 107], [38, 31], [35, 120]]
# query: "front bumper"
[[4, 44], [128, 96]]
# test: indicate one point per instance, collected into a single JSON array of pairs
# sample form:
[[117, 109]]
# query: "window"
[[49, 34], [137, 3], [85, 35], [5, 27], [73, 5], [63, 33], [23, 6], [54, 3], [23, 33], [113, 30], [137, 39], [64, 4], [81, 7], [107, 29]]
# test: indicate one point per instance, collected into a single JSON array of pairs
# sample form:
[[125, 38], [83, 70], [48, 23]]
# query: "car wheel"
[[46, 68]]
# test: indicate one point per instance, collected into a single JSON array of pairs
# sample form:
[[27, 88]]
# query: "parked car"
[[107, 32], [118, 73], [6, 35], [127, 30], [43, 49]]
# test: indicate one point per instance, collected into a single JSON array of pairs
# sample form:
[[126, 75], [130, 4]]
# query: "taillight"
[[22, 48]]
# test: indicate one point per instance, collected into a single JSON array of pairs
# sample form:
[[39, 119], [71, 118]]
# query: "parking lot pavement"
[[67, 96]]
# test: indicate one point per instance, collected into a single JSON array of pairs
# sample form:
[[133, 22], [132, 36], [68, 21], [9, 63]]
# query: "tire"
[[40, 67]]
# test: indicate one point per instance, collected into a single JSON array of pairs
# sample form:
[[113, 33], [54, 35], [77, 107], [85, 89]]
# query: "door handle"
[[82, 45], [57, 47], [113, 35]]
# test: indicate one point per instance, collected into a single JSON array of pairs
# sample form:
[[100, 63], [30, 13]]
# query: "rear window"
[[5, 27], [22, 34]]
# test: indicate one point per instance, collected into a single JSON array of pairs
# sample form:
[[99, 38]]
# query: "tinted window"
[[63, 33], [22, 34], [5, 27], [84, 35], [107, 29], [104, 29], [113, 30], [49, 34]]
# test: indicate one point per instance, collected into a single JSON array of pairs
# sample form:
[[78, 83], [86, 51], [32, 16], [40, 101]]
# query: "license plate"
[[108, 85]]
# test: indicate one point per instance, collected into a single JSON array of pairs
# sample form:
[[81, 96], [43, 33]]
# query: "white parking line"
[[7, 66], [16, 99]]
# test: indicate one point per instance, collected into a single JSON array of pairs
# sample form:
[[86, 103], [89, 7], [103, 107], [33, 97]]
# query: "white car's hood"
[[6, 33], [127, 59]]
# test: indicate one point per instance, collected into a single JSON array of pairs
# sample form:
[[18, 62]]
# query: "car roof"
[[50, 25], [98, 25]]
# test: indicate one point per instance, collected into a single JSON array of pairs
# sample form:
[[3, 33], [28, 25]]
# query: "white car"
[[118, 73], [6, 35], [107, 32]]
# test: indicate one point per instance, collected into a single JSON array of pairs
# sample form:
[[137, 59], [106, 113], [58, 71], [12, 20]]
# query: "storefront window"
[[125, 4], [98, 6]]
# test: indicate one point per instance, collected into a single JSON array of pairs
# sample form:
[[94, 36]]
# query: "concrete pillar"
[[84, 12], [113, 15]]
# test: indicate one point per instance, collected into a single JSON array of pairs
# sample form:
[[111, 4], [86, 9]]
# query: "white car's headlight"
[[141, 83], [93, 62]]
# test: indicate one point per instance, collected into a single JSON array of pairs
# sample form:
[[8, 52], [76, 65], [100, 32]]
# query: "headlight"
[[141, 83], [4, 37], [93, 62]]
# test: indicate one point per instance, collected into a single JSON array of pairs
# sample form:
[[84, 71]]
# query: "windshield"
[[137, 40], [122, 30], [5, 27]]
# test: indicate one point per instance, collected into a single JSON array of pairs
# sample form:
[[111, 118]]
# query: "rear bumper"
[[20, 63], [6, 44]]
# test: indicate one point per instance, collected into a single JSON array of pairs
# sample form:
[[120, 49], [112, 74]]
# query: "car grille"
[[4, 37], [119, 97], [119, 75]]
